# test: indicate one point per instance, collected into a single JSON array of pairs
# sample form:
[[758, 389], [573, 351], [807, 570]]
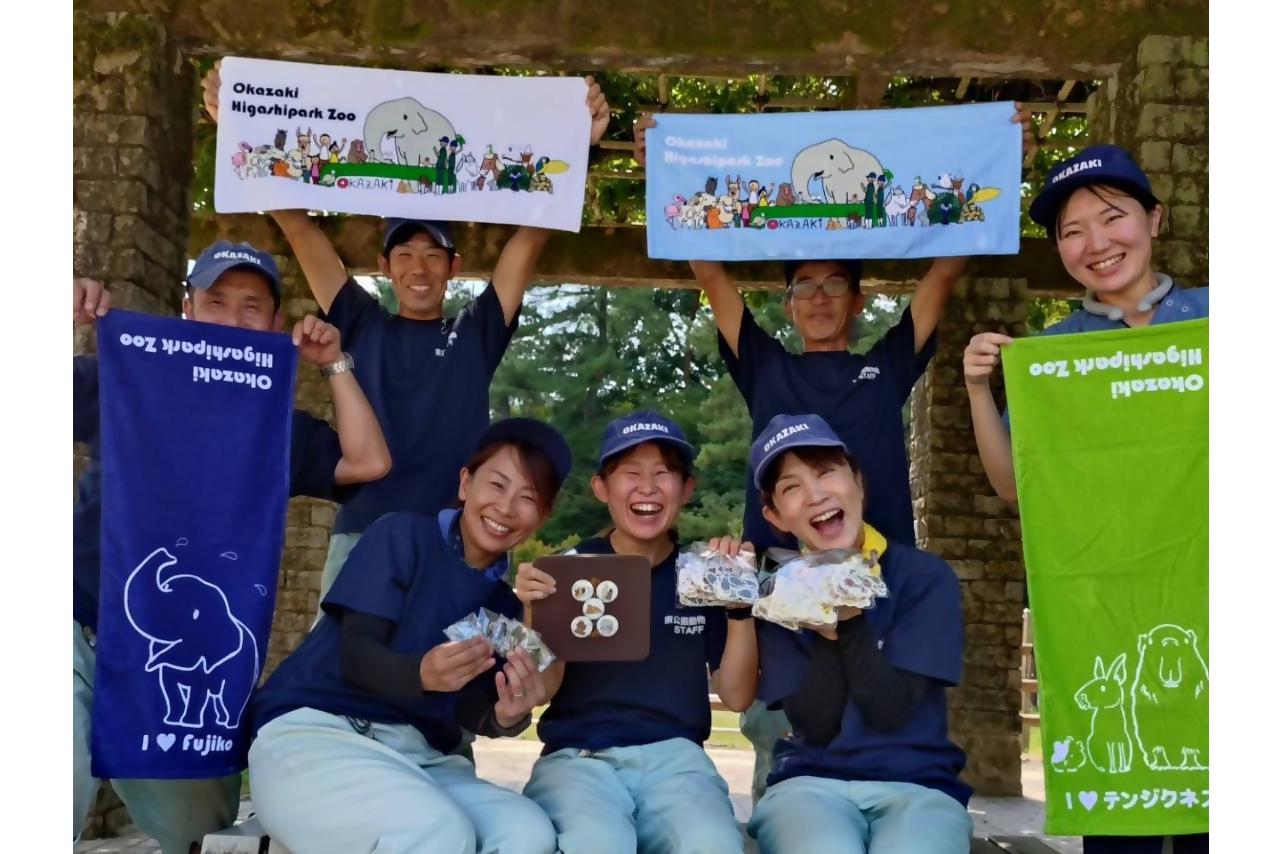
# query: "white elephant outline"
[[414, 135], [184, 677], [839, 166]]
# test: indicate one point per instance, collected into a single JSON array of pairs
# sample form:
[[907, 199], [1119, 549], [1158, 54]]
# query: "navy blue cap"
[[397, 230], [853, 266], [644, 425], [225, 255], [542, 436], [1096, 164], [785, 432]]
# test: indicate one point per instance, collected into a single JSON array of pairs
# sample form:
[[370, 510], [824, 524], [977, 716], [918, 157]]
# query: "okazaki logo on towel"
[[1115, 425]]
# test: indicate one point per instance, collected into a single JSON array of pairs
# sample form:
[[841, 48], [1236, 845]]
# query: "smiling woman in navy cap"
[[1100, 210], [623, 766], [355, 729], [868, 765]]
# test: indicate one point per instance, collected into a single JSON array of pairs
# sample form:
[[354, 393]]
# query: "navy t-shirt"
[[861, 397], [314, 453], [428, 382], [665, 695], [406, 571], [919, 630]]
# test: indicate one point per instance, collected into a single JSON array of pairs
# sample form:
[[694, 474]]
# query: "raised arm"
[[735, 677], [727, 304], [516, 264], [991, 435], [932, 296], [321, 265], [365, 454], [937, 286]]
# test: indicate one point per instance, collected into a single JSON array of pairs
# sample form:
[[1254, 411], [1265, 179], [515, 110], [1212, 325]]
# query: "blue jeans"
[[322, 787], [174, 812], [661, 798], [818, 814]]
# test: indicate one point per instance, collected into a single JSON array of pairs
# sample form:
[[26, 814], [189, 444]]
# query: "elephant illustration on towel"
[[203, 656], [406, 132], [841, 169]]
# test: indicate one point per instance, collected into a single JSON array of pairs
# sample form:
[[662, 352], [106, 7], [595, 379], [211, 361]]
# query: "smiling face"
[[502, 507], [239, 297], [823, 319], [419, 269], [1105, 239], [815, 495], [645, 489]]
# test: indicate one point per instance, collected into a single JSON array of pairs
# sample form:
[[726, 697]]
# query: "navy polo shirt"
[[1178, 304], [919, 630], [314, 453], [665, 695], [428, 381], [861, 397], [405, 570]]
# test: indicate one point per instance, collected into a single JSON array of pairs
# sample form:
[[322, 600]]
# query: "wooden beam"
[[961, 88], [616, 256]]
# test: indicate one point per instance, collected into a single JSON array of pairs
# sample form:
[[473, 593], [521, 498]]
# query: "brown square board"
[[601, 608]]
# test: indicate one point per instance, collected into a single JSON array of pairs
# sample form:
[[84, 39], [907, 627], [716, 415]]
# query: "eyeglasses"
[[807, 288]]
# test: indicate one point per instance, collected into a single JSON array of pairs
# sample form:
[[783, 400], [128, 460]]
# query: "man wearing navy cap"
[[427, 376], [229, 285]]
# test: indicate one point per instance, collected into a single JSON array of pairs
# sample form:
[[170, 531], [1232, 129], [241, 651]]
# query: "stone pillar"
[[1156, 106], [131, 170], [960, 519], [135, 98], [309, 521]]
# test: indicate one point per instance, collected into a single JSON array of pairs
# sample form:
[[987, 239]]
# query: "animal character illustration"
[[282, 139], [834, 224], [710, 186], [785, 196], [356, 152], [897, 206], [1169, 700], [672, 212], [838, 167], [527, 156], [240, 160], [490, 166], [304, 140], [469, 172], [544, 168], [295, 164], [413, 131], [1109, 745], [1068, 755], [919, 202], [202, 655]]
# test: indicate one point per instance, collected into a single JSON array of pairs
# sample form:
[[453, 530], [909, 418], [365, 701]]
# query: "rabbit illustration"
[[1109, 746]]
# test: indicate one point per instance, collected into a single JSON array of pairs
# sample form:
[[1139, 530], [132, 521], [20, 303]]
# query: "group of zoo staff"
[[366, 716]]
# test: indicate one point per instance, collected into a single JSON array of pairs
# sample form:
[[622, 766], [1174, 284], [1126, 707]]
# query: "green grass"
[[1034, 742]]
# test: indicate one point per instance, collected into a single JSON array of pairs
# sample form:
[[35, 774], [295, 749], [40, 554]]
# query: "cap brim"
[[1044, 208], [405, 230], [784, 448], [206, 277], [686, 449]]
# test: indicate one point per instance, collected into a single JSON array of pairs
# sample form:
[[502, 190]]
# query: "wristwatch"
[[346, 363]]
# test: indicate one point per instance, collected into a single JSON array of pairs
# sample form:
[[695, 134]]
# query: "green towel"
[[1109, 432]]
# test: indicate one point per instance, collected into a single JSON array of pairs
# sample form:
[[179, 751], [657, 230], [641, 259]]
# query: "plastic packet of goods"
[[707, 578], [809, 587], [504, 634]]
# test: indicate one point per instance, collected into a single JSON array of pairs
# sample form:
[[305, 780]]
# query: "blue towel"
[[195, 463], [927, 182]]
